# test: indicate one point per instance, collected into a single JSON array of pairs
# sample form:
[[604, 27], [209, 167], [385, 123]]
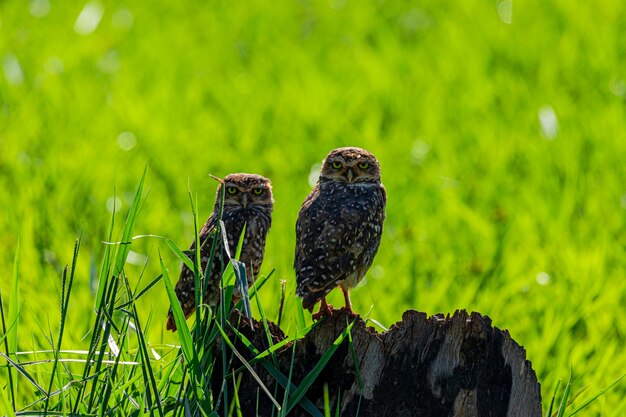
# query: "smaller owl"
[[339, 227], [248, 200]]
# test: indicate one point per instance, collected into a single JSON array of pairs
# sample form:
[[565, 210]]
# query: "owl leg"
[[325, 310], [346, 296]]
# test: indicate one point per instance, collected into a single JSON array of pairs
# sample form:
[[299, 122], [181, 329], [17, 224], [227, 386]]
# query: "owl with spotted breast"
[[339, 227], [247, 201]]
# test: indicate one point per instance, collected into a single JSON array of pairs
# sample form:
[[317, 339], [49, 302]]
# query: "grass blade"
[[109, 387], [180, 254], [270, 350], [300, 320], [236, 405], [289, 384], [556, 390], [284, 381], [24, 373], [140, 293], [356, 363], [305, 403], [106, 261], [103, 333], [184, 335], [326, 401], [281, 305], [8, 409], [563, 405], [6, 348], [124, 248], [14, 304], [595, 397], [314, 373], [242, 285], [150, 382], [103, 286], [248, 367], [65, 300], [198, 278], [338, 408]]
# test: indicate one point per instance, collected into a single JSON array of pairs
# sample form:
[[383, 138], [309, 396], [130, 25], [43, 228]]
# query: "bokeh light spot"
[[548, 122], [123, 19], [39, 8], [543, 278], [414, 20], [114, 203], [12, 69], [314, 174], [618, 88], [126, 140], [136, 258], [419, 151], [89, 18], [505, 11]]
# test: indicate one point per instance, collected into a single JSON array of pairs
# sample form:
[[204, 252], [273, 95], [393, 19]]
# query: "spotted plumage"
[[248, 200], [339, 227]]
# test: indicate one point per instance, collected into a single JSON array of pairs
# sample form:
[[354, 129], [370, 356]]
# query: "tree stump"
[[423, 367]]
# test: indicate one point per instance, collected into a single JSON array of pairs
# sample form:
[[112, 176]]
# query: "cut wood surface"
[[423, 367]]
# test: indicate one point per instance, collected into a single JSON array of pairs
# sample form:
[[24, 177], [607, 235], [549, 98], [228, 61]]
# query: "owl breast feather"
[[338, 234]]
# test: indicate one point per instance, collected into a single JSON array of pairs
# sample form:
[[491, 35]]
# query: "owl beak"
[[350, 176], [244, 200]]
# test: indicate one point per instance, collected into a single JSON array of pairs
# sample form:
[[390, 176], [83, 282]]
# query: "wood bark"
[[440, 366]]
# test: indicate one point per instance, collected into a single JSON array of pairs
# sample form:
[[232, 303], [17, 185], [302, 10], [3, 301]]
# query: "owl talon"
[[325, 310]]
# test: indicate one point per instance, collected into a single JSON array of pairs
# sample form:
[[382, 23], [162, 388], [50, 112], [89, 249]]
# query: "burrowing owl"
[[339, 227], [248, 200]]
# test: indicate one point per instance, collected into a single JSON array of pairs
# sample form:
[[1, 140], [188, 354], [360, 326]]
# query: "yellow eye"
[[258, 191], [364, 165], [231, 190], [336, 164]]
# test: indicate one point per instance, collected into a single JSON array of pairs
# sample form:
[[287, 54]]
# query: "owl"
[[339, 227], [248, 200]]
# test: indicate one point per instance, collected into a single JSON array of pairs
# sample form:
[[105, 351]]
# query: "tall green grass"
[[489, 210], [122, 374]]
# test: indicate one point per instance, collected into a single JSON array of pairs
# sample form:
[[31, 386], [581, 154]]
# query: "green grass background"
[[485, 212]]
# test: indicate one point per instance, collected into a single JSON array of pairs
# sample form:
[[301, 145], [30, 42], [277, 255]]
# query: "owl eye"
[[364, 165], [231, 190], [257, 191], [336, 164]]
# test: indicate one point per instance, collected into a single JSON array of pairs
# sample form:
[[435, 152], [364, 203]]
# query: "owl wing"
[[185, 286], [334, 240], [205, 234]]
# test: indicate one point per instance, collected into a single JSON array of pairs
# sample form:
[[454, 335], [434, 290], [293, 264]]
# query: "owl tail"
[[311, 296], [171, 324], [309, 300], [308, 304]]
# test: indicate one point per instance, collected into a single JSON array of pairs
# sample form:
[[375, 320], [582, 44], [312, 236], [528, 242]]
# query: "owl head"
[[243, 191], [350, 166]]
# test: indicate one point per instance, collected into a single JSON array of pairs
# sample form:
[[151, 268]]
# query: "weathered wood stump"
[[423, 367]]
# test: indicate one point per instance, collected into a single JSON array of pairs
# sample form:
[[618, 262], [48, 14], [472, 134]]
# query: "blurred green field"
[[500, 133]]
